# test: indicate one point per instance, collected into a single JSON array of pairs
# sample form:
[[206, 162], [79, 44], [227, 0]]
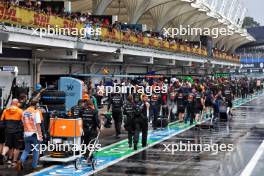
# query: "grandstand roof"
[[157, 14], [257, 33]]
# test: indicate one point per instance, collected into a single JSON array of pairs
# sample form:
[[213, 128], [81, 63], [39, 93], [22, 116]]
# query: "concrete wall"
[[23, 66]]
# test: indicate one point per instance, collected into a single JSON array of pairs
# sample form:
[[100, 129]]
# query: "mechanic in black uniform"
[[136, 97], [129, 108], [91, 123], [141, 121], [190, 109], [228, 98], [75, 110], [244, 89], [209, 102], [155, 105], [116, 102], [199, 106], [181, 104]]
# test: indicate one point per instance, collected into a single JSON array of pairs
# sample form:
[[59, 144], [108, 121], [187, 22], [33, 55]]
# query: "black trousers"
[[130, 134], [87, 137], [156, 111], [117, 116], [190, 116], [141, 126], [99, 100], [130, 127]]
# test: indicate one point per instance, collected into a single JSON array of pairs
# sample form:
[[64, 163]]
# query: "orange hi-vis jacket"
[[29, 120], [12, 113], [41, 115], [12, 117]]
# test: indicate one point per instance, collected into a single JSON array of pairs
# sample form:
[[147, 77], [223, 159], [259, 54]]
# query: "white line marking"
[[254, 161], [43, 170]]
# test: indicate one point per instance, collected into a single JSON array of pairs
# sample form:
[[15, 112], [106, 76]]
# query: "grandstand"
[[121, 49], [252, 54]]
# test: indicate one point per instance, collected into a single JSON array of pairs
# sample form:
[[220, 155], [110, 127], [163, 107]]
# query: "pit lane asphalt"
[[241, 131]]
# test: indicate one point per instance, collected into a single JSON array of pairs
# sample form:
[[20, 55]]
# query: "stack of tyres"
[[54, 100]]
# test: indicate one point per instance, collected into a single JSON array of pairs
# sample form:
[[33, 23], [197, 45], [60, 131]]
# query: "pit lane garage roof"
[[157, 14]]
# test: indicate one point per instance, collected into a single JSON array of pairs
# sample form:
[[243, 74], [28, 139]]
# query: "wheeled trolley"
[[65, 139]]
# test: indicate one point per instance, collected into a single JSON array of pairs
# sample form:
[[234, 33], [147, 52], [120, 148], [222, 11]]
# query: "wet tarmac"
[[244, 132]]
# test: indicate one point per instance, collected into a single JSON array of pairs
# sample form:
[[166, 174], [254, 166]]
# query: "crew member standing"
[[199, 106], [228, 98], [136, 97], [100, 93], [155, 105], [12, 117], [91, 123], [137, 124], [116, 102], [181, 103], [141, 112], [190, 109], [144, 121], [75, 110], [129, 124], [32, 135]]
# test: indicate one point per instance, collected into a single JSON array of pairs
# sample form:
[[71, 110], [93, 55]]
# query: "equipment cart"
[[65, 134]]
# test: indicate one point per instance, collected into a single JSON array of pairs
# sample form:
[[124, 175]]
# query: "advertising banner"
[[21, 16], [252, 65]]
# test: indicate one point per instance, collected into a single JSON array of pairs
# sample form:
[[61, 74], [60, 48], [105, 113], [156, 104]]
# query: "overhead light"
[[95, 55], [15, 47], [42, 50]]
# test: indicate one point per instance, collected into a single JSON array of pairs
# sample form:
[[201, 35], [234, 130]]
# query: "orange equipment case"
[[60, 127]]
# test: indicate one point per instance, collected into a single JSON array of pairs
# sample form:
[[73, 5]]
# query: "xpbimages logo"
[[193, 31], [86, 32], [65, 147], [190, 147], [148, 90]]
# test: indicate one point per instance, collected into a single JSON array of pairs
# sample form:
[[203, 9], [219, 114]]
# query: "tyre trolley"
[[65, 135]]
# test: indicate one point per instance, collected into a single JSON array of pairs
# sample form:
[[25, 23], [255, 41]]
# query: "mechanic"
[[116, 102], [12, 117], [190, 109], [91, 123], [32, 135], [181, 104], [155, 107], [75, 110], [129, 123]]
